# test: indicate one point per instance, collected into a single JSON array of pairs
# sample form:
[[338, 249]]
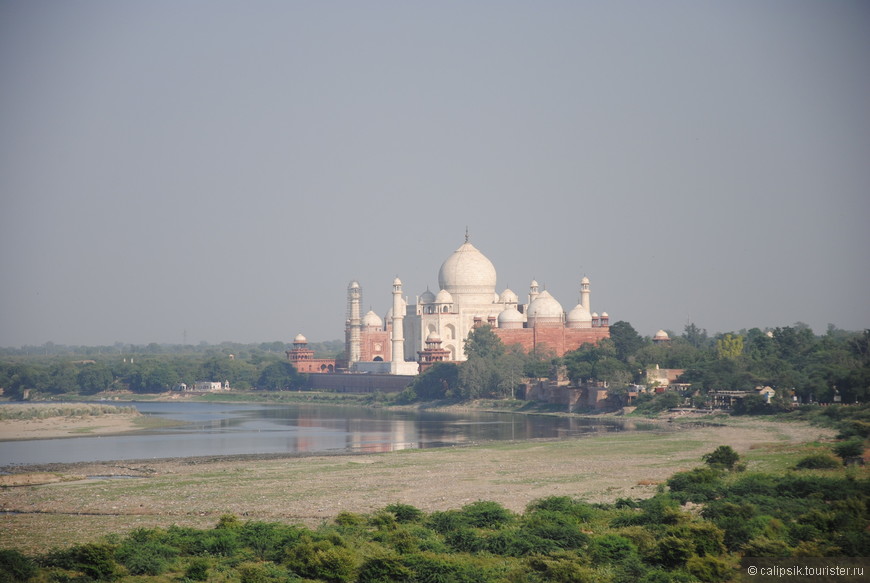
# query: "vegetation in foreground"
[[695, 529]]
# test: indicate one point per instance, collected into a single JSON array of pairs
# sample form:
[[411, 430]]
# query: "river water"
[[216, 429]]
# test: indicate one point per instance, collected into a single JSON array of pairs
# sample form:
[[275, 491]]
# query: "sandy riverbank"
[[310, 490], [92, 420]]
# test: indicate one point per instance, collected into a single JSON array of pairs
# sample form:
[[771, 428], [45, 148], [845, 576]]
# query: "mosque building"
[[435, 326]]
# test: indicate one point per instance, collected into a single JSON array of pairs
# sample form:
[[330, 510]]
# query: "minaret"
[[533, 291], [398, 324], [584, 293], [354, 299]]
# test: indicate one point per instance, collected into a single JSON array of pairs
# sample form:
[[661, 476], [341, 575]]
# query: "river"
[[219, 429]]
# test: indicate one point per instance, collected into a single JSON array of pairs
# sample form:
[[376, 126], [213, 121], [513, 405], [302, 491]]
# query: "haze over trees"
[[793, 360]]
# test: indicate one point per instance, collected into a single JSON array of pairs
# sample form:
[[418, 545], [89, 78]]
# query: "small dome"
[[508, 297], [427, 297], [594, 314], [604, 315], [510, 318], [545, 306], [444, 297], [353, 285], [534, 283], [397, 281], [662, 335], [433, 337], [300, 339], [372, 319], [584, 280], [578, 316]]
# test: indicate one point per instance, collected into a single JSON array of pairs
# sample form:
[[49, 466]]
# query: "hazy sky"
[[212, 170]]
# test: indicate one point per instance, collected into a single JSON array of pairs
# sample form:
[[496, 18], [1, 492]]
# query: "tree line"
[[793, 360], [147, 373]]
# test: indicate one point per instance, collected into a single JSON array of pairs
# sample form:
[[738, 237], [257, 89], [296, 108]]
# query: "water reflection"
[[208, 429]]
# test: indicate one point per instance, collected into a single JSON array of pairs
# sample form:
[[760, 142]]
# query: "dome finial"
[[466, 233]]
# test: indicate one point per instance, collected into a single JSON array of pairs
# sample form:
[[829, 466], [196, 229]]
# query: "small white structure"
[[209, 386]]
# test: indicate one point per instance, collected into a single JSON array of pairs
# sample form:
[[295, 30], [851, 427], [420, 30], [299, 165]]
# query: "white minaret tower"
[[533, 291], [584, 292], [354, 298], [398, 328]]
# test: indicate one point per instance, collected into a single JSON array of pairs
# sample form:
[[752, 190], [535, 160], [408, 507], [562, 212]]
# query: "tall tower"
[[584, 292], [533, 291], [354, 299], [398, 327]]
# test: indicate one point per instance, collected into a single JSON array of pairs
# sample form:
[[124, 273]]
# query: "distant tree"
[[626, 340], [278, 376], [729, 346], [94, 378], [438, 382], [695, 336], [483, 343]]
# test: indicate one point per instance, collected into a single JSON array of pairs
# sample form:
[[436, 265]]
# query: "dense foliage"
[[145, 373], [556, 539]]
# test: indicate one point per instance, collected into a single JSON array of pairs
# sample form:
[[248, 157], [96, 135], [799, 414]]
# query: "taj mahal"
[[434, 327]]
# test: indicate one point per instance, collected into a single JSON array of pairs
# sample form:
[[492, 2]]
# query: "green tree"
[[626, 340], [729, 346], [483, 343], [94, 378], [723, 457], [278, 376]]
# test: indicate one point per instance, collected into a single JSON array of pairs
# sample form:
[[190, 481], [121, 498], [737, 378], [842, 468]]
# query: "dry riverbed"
[[66, 504]]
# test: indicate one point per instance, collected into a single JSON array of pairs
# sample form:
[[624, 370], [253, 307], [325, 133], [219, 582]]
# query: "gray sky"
[[224, 169]]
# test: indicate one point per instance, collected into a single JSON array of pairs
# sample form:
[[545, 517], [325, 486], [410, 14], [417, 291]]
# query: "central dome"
[[467, 271]]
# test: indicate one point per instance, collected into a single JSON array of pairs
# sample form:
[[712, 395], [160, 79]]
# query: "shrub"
[[722, 457], [322, 560], [558, 528], [565, 505], [146, 557], [698, 485], [611, 548], [96, 561], [15, 567], [484, 514], [384, 570], [709, 569], [405, 512], [197, 570], [818, 461], [853, 447]]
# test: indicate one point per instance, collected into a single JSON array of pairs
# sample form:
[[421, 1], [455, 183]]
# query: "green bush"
[[710, 569], [15, 567], [723, 457], [150, 557], [405, 512], [484, 514], [818, 461], [611, 548], [95, 560], [578, 510], [321, 560], [197, 570], [698, 485], [853, 447], [384, 570]]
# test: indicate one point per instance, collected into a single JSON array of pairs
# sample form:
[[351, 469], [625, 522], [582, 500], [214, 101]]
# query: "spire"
[[466, 233]]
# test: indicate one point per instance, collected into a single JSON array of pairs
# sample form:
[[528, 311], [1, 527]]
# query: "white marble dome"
[[444, 297], [508, 297], [545, 310], [467, 270], [372, 319], [510, 318], [300, 339], [579, 317]]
